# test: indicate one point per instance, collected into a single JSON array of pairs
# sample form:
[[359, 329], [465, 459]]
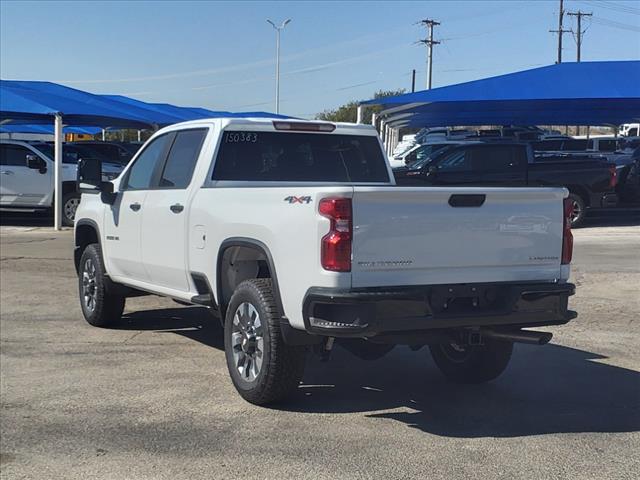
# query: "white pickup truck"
[[27, 180], [295, 235]]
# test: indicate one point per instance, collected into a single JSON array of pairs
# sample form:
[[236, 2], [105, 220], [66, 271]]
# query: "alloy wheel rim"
[[247, 342], [575, 213], [70, 208], [89, 288]]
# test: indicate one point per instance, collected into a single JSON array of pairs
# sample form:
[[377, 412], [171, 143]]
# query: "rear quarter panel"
[[291, 230]]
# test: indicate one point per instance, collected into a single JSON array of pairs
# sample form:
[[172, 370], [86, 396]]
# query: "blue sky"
[[220, 55]]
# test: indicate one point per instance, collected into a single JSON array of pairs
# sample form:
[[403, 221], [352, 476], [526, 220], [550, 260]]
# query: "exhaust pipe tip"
[[520, 336]]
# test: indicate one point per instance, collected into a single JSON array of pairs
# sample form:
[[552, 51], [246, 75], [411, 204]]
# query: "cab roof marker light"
[[304, 126]]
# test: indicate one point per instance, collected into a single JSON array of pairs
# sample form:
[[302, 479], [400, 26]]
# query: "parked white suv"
[[295, 234], [27, 178]]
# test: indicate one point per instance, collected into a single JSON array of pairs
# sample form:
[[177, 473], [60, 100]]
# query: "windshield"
[[70, 153], [301, 157]]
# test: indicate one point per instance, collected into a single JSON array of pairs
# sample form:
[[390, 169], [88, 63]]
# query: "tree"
[[349, 111]]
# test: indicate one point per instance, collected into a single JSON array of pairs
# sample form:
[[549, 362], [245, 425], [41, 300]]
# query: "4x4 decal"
[[293, 199]]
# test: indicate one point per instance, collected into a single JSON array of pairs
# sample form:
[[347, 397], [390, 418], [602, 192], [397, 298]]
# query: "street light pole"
[[278, 29]]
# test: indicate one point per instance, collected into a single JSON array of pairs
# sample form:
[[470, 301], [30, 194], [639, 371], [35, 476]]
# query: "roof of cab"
[[224, 122]]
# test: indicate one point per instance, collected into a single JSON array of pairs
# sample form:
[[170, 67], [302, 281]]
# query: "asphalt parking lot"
[[152, 400]]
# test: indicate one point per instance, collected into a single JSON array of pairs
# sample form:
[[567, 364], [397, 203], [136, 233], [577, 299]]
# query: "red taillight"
[[335, 252], [567, 236], [613, 176]]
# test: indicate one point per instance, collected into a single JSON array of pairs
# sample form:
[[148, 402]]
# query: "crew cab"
[[26, 171], [295, 235], [590, 178]]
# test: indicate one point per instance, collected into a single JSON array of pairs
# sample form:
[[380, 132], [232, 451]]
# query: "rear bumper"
[[374, 311]]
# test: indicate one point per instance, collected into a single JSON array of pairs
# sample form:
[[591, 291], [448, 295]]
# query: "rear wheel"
[[579, 210], [70, 202], [99, 307], [262, 367], [472, 363]]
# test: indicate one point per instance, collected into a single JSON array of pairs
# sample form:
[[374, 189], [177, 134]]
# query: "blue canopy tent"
[[23, 102], [47, 129], [586, 93], [27, 106]]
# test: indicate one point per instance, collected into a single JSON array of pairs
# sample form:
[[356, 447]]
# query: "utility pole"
[[579, 14], [413, 80], [560, 31], [429, 42]]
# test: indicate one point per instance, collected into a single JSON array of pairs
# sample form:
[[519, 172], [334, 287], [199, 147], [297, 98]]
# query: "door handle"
[[135, 206], [176, 208]]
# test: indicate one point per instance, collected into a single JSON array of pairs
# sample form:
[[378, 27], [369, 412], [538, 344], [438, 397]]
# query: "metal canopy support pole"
[[57, 173], [374, 118], [360, 113], [139, 135], [104, 134]]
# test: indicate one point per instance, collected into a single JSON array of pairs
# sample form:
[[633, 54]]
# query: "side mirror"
[[90, 180], [89, 175], [34, 162], [432, 171]]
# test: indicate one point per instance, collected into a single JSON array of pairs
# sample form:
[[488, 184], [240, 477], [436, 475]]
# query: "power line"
[[613, 24], [615, 7], [579, 33]]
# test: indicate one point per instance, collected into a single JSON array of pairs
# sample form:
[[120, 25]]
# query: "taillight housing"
[[613, 176], [335, 253], [567, 236]]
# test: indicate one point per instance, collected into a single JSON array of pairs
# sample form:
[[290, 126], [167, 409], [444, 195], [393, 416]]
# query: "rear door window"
[[182, 158], [300, 157], [498, 158], [607, 145]]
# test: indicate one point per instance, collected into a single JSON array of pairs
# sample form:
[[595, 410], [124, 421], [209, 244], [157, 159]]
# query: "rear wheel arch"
[[69, 187], [251, 259], [581, 192]]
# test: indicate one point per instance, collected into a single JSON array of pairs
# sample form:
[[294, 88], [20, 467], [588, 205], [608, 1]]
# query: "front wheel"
[[99, 307], [472, 363], [262, 367]]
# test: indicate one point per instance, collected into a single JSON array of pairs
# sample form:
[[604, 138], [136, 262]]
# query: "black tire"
[[472, 363], [579, 209], [70, 202], [103, 309], [279, 366]]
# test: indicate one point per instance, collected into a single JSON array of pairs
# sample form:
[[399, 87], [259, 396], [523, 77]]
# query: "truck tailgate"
[[441, 235]]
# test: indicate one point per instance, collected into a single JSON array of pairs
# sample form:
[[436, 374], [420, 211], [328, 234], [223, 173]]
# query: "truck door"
[[164, 221], [499, 165], [123, 222], [21, 186]]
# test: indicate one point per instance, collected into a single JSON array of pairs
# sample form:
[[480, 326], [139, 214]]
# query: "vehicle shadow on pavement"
[[550, 389], [195, 323]]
